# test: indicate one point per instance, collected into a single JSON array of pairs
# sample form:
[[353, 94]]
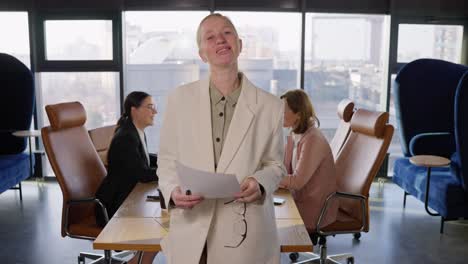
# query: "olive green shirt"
[[222, 110]]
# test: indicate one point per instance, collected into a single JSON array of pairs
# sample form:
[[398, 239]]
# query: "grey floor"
[[30, 231]]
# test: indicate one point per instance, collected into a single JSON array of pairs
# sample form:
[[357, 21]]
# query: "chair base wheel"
[[293, 256], [357, 236], [81, 260], [350, 260]]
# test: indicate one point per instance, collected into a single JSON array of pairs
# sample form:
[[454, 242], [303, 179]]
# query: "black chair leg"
[[404, 198], [21, 191], [442, 221]]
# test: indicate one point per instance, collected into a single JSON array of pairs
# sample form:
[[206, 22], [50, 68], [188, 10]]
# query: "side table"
[[428, 161]]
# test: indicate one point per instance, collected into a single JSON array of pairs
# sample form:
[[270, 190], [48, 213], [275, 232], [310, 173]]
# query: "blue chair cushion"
[[446, 194], [13, 169]]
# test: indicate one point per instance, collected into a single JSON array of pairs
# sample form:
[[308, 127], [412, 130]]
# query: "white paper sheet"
[[210, 185]]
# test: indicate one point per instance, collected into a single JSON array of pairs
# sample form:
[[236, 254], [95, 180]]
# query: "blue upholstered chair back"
[[424, 99], [460, 158], [16, 103]]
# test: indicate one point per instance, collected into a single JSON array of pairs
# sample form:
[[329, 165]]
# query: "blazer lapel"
[[240, 123], [205, 138], [133, 130]]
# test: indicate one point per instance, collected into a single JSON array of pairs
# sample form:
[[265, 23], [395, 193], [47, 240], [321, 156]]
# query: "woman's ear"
[[132, 111]]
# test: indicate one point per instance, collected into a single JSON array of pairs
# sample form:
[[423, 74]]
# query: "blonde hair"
[[214, 15], [299, 103]]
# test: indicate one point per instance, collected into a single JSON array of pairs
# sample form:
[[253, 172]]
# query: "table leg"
[[21, 191], [30, 159], [426, 198]]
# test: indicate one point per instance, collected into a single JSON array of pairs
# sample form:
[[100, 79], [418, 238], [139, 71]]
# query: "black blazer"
[[128, 165]]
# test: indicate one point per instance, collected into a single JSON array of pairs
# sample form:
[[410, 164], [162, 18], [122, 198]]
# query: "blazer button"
[[222, 98], [218, 139], [221, 114]]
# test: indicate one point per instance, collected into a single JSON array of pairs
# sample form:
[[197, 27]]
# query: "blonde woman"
[[222, 124]]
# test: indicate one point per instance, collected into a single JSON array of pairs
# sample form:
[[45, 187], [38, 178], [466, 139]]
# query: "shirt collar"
[[216, 96]]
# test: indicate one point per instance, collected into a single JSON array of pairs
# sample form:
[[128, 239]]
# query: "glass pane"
[[97, 91], [15, 35], [161, 54], [78, 39], [345, 57], [429, 41], [271, 48]]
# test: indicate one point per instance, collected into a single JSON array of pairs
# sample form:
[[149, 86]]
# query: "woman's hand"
[[250, 191], [185, 201]]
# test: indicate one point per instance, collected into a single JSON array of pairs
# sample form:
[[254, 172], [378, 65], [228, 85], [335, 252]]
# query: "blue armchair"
[[431, 101], [16, 108]]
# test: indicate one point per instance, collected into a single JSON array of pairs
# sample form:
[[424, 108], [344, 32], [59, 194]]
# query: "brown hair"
[[299, 103], [209, 16], [133, 99]]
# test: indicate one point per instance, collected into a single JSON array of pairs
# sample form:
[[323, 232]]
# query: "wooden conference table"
[[140, 224]]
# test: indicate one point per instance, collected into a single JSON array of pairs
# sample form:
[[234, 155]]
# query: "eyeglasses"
[[151, 107], [240, 226]]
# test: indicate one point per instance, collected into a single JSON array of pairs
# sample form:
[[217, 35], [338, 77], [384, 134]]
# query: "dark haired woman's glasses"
[[151, 107], [240, 226]]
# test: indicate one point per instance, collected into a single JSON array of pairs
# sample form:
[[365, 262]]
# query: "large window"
[[78, 60], [345, 57], [15, 35], [160, 54], [75, 44], [271, 50]]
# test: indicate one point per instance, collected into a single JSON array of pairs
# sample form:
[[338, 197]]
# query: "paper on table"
[[210, 185]]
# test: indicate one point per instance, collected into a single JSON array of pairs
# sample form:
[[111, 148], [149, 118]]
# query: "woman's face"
[[220, 46], [290, 118], [143, 115]]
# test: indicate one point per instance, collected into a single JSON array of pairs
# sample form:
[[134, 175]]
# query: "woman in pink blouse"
[[308, 160]]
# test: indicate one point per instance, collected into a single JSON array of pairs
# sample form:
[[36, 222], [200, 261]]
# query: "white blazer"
[[253, 147]]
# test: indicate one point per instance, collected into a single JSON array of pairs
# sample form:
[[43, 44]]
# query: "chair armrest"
[[83, 201], [334, 195], [437, 143]]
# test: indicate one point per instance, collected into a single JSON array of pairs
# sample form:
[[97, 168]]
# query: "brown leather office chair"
[[345, 112], [356, 166], [101, 138], [79, 172]]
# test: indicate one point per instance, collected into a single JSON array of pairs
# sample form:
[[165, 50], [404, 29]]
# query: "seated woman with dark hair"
[[128, 158], [308, 160]]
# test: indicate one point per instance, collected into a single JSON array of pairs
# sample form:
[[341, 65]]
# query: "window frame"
[[44, 65]]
